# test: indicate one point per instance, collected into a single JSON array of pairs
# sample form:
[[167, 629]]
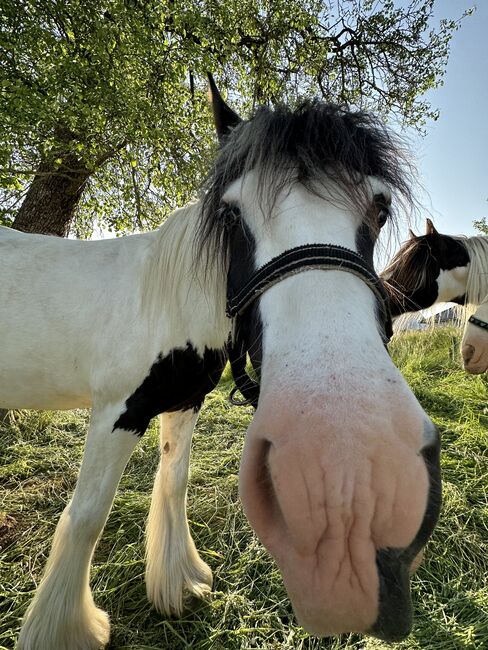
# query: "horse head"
[[340, 471], [427, 269]]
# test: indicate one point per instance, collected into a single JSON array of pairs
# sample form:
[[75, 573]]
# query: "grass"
[[39, 457]]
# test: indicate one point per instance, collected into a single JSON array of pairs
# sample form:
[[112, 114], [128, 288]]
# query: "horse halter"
[[478, 322], [325, 257]]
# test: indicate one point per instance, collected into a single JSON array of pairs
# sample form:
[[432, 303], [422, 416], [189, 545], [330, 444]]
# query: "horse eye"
[[230, 215], [383, 209], [383, 215]]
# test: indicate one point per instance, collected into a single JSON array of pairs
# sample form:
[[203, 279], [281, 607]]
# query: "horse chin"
[[475, 359], [326, 604], [476, 369]]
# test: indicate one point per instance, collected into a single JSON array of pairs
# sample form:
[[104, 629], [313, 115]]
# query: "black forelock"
[[312, 142]]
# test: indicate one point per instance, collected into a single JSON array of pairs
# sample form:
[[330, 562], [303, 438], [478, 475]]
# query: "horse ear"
[[429, 228], [224, 117], [411, 234]]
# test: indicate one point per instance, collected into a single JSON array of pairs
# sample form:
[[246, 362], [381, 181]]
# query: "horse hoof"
[[173, 593], [43, 633]]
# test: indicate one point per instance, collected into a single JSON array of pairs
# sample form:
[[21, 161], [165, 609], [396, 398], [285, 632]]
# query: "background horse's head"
[[427, 269], [340, 470]]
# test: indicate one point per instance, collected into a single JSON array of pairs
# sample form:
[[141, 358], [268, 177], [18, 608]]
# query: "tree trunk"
[[51, 200]]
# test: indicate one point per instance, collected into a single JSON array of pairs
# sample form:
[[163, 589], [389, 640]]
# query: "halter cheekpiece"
[[325, 257]]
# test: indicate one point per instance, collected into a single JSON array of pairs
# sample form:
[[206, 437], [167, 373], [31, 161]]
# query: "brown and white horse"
[[340, 470]]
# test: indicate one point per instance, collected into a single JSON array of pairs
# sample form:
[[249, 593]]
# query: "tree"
[[102, 106], [481, 225]]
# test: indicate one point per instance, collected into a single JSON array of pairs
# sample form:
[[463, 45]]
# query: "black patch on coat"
[[421, 298], [365, 242], [242, 264], [459, 300], [176, 382]]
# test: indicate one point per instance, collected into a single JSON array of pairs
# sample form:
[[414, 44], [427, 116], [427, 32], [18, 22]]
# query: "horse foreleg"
[[173, 567], [63, 615]]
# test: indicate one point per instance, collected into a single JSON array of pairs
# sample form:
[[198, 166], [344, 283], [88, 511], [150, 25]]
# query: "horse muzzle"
[[344, 507]]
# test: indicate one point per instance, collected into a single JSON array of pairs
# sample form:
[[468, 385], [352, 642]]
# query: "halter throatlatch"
[[478, 322], [325, 257]]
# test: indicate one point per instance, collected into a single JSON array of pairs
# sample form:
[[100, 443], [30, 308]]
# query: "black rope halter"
[[325, 257]]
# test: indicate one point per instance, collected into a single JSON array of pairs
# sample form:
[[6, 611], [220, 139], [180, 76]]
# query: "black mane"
[[312, 142]]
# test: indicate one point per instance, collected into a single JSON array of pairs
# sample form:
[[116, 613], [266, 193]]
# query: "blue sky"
[[452, 158]]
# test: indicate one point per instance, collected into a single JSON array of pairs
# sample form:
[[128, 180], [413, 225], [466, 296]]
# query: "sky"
[[452, 159]]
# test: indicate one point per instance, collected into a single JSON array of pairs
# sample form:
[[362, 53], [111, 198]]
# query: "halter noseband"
[[325, 257]]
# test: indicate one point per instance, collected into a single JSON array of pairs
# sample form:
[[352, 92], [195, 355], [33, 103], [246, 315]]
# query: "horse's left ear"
[[225, 118], [429, 228]]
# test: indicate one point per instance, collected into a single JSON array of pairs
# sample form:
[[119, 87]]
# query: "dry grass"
[[39, 458]]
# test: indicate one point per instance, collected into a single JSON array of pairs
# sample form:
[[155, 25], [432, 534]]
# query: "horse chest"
[[176, 381]]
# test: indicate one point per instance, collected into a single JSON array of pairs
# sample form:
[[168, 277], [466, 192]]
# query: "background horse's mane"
[[477, 283], [410, 262], [313, 142]]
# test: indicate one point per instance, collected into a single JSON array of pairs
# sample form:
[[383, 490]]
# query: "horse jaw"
[[474, 346]]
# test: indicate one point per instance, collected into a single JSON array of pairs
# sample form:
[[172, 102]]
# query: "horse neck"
[[477, 280], [180, 282]]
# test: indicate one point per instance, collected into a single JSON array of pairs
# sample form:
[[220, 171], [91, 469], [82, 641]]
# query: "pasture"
[[40, 454]]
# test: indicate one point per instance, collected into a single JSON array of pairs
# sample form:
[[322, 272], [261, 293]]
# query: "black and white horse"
[[340, 470], [436, 268]]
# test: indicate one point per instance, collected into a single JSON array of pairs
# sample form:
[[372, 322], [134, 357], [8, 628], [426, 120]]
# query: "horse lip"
[[395, 616], [474, 370], [394, 621]]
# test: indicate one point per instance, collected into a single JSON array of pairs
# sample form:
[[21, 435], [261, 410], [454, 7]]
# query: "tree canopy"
[[113, 93], [481, 225]]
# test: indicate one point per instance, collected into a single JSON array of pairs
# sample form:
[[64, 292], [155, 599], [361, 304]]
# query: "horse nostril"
[[266, 485], [467, 352]]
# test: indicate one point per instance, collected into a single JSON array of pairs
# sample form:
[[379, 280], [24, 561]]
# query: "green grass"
[[39, 458]]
